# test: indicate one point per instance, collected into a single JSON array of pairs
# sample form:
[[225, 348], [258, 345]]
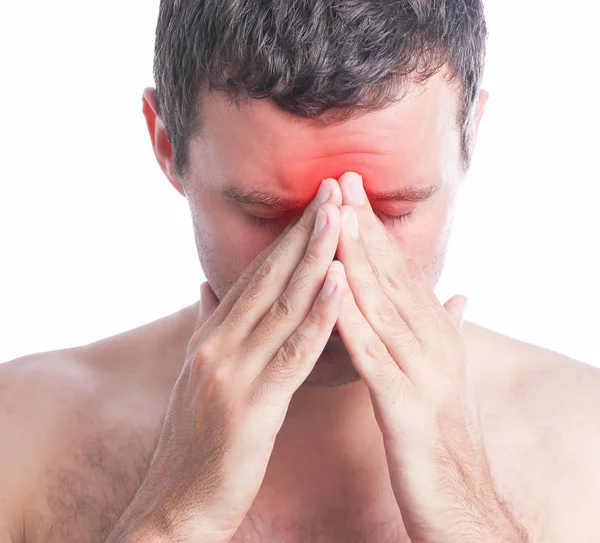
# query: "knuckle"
[[387, 315], [375, 350], [206, 353], [300, 279], [216, 385], [292, 351], [284, 309], [267, 273], [376, 275], [393, 279], [409, 344], [386, 312], [201, 358], [311, 257], [221, 375]]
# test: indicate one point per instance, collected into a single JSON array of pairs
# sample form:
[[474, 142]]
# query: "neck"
[[329, 450]]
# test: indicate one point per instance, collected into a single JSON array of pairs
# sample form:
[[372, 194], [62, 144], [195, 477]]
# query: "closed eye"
[[393, 220]]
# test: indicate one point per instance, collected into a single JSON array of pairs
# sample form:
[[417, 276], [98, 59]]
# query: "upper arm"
[[35, 393], [15, 452]]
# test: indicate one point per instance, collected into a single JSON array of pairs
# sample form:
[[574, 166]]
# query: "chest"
[[84, 495]]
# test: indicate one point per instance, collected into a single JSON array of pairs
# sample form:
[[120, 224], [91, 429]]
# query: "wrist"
[[146, 522]]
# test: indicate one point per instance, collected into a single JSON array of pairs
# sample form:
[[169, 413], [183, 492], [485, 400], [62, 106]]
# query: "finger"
[[297, 355], [296, 301], [271, 279], [372, 301], [456, 307], [399, 276], [217, 317], [208, 303], [369, 355], [353, 194], [271, 261]]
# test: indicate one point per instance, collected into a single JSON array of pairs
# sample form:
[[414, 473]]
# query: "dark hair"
[[326, 60]]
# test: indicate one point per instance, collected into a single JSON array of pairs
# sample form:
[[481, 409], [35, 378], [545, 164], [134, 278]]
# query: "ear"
[[479, 111], [160, 141]]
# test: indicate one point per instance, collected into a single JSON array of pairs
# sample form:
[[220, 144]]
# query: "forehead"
[[255, 143]]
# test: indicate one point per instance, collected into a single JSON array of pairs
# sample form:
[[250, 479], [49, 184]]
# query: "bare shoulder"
[[539, 416], [78, 427], [40, 395], [533, 378]]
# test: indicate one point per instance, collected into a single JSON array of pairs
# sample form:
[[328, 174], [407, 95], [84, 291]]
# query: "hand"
[[412, 355], [243, 364]]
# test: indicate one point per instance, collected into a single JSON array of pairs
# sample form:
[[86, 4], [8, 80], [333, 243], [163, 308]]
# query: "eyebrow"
[[282, 203], [406, 194]]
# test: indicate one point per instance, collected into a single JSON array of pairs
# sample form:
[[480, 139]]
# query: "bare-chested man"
[[243, 418]]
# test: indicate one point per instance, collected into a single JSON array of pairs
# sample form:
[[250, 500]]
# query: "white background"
[[95, 241]]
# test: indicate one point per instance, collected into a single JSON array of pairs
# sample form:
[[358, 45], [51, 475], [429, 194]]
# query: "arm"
[[16, 448]]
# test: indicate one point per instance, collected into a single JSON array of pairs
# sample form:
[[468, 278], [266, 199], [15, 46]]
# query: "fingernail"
[[352, 222], [357, 190], [320, 222], [329, 287], [324, 193]]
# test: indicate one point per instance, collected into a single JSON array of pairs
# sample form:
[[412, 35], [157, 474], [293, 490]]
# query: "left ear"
[[158, 136], [479, 111]]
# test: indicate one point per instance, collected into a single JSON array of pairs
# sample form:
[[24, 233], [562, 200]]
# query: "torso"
[[87, 458]]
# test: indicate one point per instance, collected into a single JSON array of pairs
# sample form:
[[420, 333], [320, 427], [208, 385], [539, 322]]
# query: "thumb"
[[208, 302], [456, 308]]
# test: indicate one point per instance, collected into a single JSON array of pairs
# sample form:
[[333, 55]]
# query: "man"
[[321, 146]]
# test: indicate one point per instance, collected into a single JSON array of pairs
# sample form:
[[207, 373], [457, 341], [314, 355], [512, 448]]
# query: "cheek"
[[226, 244], [426, 239]]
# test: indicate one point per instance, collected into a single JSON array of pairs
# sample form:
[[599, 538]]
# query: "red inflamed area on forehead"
[[298, 178], [269, 158]]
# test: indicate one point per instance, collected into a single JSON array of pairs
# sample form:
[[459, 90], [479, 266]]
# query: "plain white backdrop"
[[95, 241]]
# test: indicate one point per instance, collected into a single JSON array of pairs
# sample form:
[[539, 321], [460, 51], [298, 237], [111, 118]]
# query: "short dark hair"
[[326, 60]]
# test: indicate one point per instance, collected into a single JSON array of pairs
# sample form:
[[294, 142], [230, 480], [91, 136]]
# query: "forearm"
[[500, 525]]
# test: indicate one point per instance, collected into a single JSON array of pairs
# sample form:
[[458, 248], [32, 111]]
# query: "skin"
[[413, 356], [414, 143], [329, 477]]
